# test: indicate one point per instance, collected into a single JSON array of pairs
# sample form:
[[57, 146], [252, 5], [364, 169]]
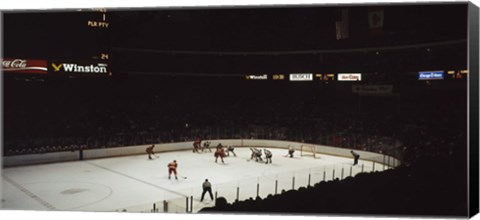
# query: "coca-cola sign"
[[24, 66]]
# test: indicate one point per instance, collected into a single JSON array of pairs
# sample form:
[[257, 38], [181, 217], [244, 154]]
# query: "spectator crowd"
[[425, 128]]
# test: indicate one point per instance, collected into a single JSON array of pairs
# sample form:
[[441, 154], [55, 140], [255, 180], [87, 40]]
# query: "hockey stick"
[[182, 176]]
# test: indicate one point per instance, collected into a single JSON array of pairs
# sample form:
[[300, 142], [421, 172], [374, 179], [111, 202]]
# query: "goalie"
[[290, 151], [268, 156], [256, 153]]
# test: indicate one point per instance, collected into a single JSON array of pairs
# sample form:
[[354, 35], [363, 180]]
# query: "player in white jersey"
[[256, 153], [268, 156], [206, 146], [230, 149]]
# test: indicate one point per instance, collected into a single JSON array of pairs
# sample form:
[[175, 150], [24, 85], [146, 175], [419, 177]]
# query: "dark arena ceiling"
[[245, 39]]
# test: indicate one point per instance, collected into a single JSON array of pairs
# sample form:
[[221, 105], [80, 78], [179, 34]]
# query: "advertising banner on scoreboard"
[[325, 76], [256, 77], [349, 77], [10, 65], [301, 76], [456, 74], [431, 75], [92, 68], [372, 89]]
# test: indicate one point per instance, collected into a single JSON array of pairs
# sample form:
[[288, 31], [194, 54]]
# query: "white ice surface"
[[134, 183]]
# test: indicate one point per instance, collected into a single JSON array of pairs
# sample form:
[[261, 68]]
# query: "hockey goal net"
[[307, 150]]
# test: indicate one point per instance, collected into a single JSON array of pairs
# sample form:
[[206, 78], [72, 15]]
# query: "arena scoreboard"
[[72, 42]]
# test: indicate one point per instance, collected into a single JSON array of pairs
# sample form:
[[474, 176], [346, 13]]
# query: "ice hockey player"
[[172, 168], [230, 149], [206, 146], [256, 153], [220, 152], [290, 151], [196, 145], [355, 157], [268, 156], [149, 151]]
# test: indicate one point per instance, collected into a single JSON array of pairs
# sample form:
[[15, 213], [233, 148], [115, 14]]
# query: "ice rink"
[[135, 183]]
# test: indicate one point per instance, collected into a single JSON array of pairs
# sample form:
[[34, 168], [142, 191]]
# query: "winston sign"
[[92, 68]]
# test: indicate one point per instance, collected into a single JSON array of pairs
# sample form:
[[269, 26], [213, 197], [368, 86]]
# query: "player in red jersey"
[[149, 151], [220, 152], [196, 145], [172, 168]]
